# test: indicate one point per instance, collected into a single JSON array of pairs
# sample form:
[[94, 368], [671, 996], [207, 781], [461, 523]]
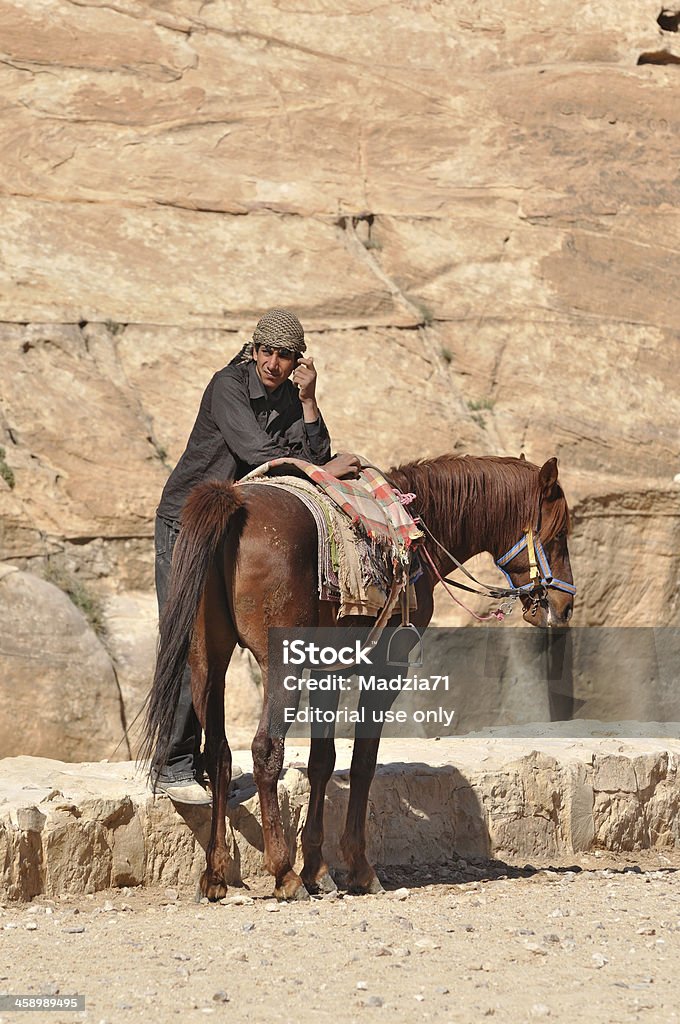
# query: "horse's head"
[[539, 562]]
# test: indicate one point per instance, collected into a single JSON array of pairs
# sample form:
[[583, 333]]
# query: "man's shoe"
[[236, 773], [187, 792]]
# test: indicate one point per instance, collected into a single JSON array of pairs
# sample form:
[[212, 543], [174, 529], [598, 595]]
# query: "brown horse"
[[246, 561]]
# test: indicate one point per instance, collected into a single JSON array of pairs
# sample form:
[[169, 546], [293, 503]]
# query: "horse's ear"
[[522, 457], [548, 477]]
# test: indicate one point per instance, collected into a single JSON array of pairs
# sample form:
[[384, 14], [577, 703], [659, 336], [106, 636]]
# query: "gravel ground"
[[596, 940]]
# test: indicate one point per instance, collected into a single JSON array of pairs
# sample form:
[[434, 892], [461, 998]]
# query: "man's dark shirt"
[[239, 427]]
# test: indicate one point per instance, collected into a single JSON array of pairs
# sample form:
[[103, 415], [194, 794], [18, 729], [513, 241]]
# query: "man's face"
[[274, 365]]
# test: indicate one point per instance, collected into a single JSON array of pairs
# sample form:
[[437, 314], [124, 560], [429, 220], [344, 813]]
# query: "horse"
[[246, 562]]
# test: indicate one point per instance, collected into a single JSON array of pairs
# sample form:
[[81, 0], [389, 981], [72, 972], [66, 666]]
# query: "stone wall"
[[77, 829]]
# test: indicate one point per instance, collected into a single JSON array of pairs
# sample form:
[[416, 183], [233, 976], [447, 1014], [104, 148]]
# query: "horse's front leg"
[[372, 707], [315, 873], [362, 877], [268, 751]]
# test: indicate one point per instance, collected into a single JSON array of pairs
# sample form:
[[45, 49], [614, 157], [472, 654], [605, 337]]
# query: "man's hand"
[[344, 465], [304, 376]]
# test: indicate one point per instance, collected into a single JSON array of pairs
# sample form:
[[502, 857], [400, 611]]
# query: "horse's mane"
[[465, 497]]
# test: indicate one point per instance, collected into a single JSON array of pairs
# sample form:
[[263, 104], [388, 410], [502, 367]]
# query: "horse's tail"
[[205, 520]]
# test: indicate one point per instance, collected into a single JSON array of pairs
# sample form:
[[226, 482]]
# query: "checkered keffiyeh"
[[278, 328], [281, 329], [370, 502]]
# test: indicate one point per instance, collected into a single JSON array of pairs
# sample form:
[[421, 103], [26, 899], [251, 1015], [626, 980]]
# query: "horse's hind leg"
[[213, 642], [268, 751], [218, 763]]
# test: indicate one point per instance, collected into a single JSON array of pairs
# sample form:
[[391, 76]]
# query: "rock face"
[[131, 619], [76, 829], [58, 689], [471, 219], [131, 627]]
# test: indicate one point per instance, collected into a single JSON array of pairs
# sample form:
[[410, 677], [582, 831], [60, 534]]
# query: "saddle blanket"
[[364, 533], [368, 501]]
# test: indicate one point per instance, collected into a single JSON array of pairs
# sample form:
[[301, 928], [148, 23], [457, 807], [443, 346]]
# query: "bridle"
[[540, 573], [541, 578]]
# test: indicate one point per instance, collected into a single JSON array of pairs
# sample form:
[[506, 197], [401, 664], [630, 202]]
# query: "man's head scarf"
[[278, 328]]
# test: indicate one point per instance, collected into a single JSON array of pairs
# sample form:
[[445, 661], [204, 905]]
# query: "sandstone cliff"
[[472, 209]]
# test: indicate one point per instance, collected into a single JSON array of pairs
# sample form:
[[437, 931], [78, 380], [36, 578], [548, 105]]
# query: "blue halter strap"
[[539, 567]]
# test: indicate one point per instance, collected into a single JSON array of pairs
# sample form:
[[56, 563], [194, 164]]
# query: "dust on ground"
[[597, 939]]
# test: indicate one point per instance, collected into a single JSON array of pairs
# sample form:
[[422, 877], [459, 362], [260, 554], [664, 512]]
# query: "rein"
[[498, 613]]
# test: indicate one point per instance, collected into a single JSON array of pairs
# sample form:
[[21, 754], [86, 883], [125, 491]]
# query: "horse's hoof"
[[372, 888], [322, 884], [213, 888], [291, 889]]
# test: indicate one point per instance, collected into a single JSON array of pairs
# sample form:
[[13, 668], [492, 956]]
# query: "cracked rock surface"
[[474, 219], [78, 828]]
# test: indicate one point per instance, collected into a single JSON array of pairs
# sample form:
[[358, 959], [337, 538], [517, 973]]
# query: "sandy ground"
[[596, 940]]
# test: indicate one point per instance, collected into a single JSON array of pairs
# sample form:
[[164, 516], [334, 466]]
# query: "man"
[[261, 406]]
